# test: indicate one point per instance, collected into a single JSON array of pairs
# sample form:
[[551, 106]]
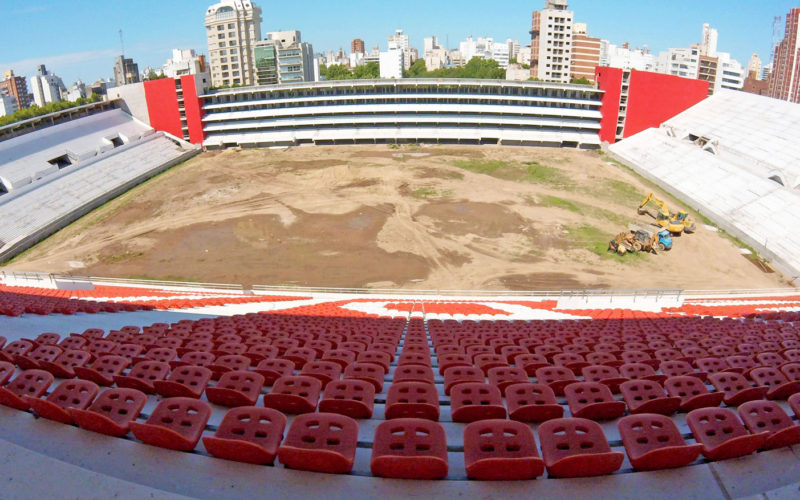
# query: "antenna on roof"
[[122, 42]]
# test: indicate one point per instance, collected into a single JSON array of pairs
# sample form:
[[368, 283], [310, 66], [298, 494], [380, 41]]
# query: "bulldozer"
[[622, 243], [674, 222], [637, 239]]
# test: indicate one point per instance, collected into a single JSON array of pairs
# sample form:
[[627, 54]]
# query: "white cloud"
[[28, 66]]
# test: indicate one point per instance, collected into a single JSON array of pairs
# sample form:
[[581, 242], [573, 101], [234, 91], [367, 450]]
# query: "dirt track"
[[413, 217]]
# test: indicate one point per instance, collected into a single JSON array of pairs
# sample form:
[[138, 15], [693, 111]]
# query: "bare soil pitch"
[[411, 217]]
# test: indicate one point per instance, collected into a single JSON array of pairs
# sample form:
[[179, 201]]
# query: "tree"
[[156, 76], [417, 70], [581, 81], [337, 72], [34, 110], [369, 71]]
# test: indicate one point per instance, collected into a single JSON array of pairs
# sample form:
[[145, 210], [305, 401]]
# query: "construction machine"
[[638, 239], [674, 222], [623, 243]]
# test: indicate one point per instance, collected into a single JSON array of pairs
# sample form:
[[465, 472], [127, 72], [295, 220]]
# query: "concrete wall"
[[132, 100]]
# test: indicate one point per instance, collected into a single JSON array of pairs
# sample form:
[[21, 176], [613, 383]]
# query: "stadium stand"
[[324, 387], [734, 157], [52, 176]]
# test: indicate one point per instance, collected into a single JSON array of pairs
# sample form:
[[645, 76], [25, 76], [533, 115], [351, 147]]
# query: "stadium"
[[383, 289]]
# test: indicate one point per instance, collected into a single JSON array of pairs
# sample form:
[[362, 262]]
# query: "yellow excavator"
[[674, 222]]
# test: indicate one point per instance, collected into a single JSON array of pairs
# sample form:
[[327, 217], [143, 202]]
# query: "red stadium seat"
[[778, 386], [576, 447], [529, 402], [184, 381], [412, 400], [32, 383], [460, 375], [654, 442], [325, 371], [103, 370], [693, 393], [501, 450], [409, 448], [368, 372], [474, 401], [294, 394], [736, 388], [71, 394], [236, 388], [768, 416], [248, 434], [722, 434], [647, 396], [320, 442], [142, 376], [273, 369], [593, 400], [175, 424], [112, 412], [351, 397]]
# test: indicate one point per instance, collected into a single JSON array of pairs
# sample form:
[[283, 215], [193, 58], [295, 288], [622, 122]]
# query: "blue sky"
[[79, 38]]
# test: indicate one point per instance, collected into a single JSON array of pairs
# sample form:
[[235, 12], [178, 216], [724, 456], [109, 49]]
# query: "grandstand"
[[497, 380], [53, 175], [735, 157], [407, 110]]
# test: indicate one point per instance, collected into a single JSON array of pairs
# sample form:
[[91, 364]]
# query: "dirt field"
[[411, 217]]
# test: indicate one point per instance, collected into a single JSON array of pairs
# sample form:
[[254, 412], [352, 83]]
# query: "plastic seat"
[[574, 361], [325, 371], [676, 368], [488, 360], [722, 434], [409, 448], [510, 352], [383, 359], [529, 402], [294, 394], [557, 377], [577, 447], [460, 375], [248, 434], [647, 396], [593, 400], [794, 403], [236, 388], [450, 360], [768, 416], [260, 352], [693, 393], [31, 383], [736, 388], [504, 376], [635, 356], [354, 398], [6, 371], [298, 355], [194, 358], [778, 386], [531, 362], [228, 363], [641, 371], [368, 372], [414, 358], [112, 412], [320, 442], [654, 442], [164, 354], [185, 382], [606, 375], [501, 450], [129, 351], [176, 424], [412, 400], [475, 401], [48, 338], [142, 376], [273, 369], [32, 360], [413, 373], [71, 394], [103, 370], [16, 348], [341, 356]]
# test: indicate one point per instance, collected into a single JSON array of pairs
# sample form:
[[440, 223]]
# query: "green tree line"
[[34, 110]]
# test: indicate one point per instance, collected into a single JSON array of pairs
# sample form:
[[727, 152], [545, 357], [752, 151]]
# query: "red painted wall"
[[193, 108], [162, 105], [609, 80], [654, 98]]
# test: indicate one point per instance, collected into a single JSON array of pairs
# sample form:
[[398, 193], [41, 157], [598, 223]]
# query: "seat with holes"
[[794, 404], [693, 393], [413, 373], [341, 356], [368, 372], [647, 396], [460, 375], [606, 375], [142, 376], [722, 434], [228, 363], [453, 359], [112, 412], [531, 362], [639, 371], [175, 424], [354, 398], [504, 376], [236, 388], [71, 394], [679, 367], [577, 447], [294, 394], [414, 358], [736, 388], [409, 448], [6, 371], [103, 370], [412, 400], [274, 368], [34, 358], [778, 386], [593, 400], [320, 442], [185, 382], [248, 434], [380, 358], [654, 442], [501, 450], [31, 383], [475, 401], [557, 377], [16, 348], [529, 402], [325, 371], [768, 416]]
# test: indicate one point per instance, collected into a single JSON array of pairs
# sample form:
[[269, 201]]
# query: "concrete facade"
[[232, 29], [551, 42], [784, 81]]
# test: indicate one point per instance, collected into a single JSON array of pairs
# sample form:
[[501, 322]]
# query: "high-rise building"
[[8, 105], [46, 87], [391, 61], [429, 44], [754, 67], [585, 53], [232, 28], [16, 87], [184, 62], [708, 45], [624, 57], [784, 80], [401, 41], [125, 71], [551, 42], [357, 46], [283, 58]]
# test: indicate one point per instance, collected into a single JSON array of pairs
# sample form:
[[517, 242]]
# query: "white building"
[[8, 105], [232, 28], [391, 62], [501, 53], [77, 91], [708, 46], [754, 65], [679, 62], [437, 59], [551, 42], [730, 74], [401, 41], [46, 87], [429, 44], [614, 56], [513, 48], [183, 62], [524, 56]]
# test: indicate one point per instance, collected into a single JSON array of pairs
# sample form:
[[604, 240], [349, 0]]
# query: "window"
[[232, 43], [221, 35], [231, 26], [221, 44]]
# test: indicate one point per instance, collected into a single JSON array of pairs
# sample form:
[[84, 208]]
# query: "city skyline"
[[152, 29]]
